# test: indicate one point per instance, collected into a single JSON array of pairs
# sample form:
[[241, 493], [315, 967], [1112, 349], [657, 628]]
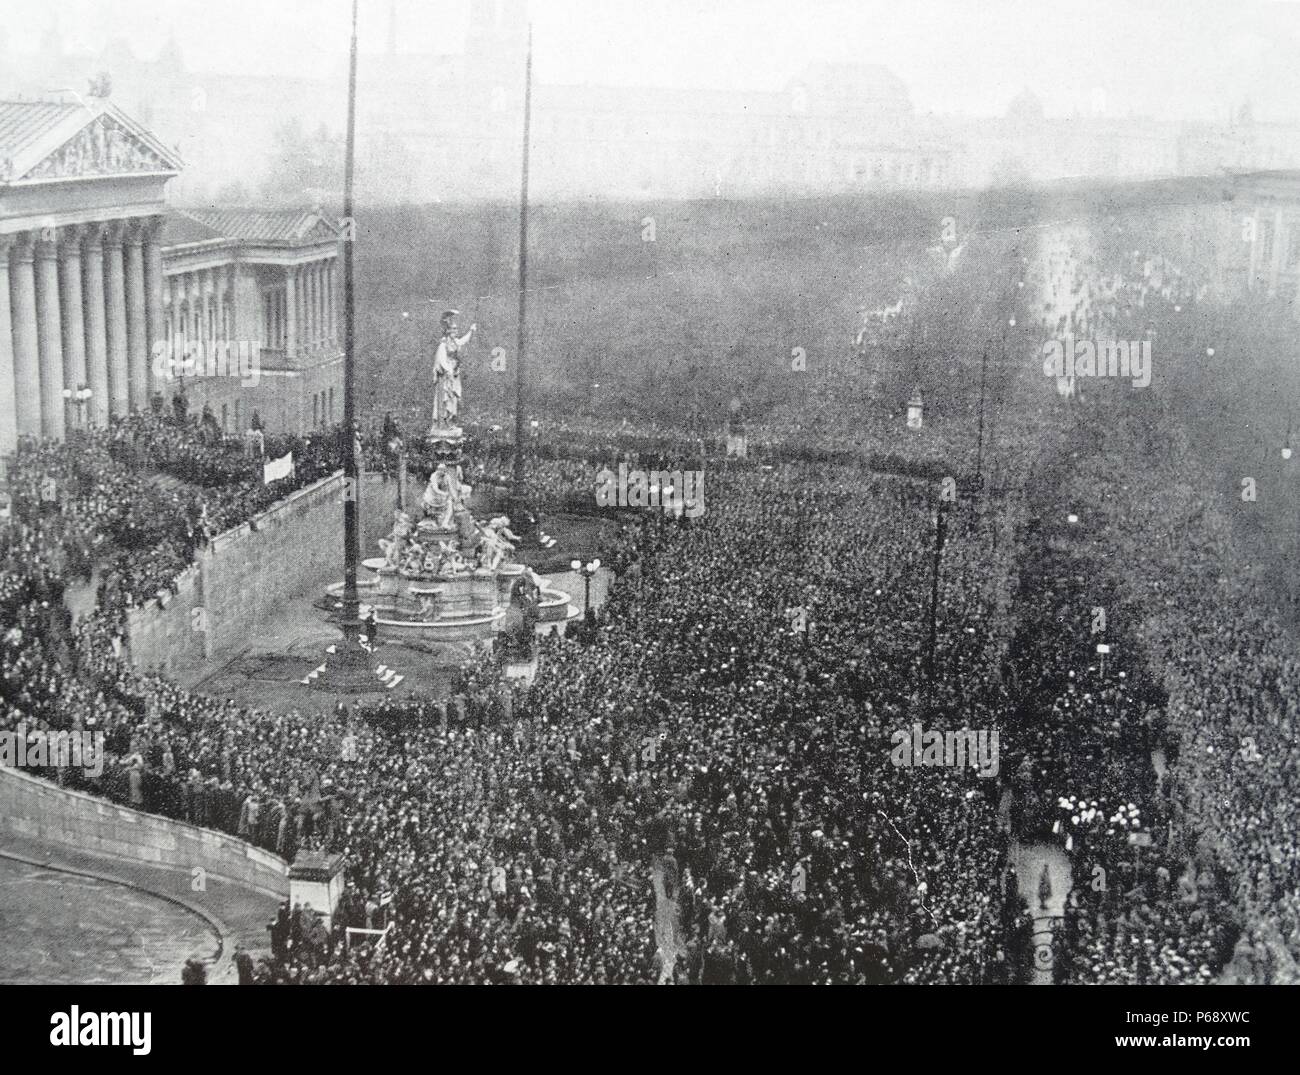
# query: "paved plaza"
[[82, 930]]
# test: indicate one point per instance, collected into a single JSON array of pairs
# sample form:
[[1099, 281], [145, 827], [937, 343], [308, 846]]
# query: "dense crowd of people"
[[698, 787], [1154, 761]]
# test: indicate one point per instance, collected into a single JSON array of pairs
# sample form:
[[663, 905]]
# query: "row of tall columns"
[[311, 307], [80, 306], [198, 306]]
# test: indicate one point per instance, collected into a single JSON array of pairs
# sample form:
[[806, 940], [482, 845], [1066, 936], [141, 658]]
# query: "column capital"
[[133, 231], [7, 241], [71, 236], [47, 249], [25, 247], [93, 235], [151, 227], [113, 232]]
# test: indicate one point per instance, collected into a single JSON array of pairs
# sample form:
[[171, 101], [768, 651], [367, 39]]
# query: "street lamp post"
[[587, 570], [78, 398]]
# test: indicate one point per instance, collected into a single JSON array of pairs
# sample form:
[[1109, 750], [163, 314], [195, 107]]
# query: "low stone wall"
[[38, 810], [245, 575]]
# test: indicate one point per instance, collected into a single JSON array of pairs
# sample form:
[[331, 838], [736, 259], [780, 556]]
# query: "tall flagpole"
[[351, 483], [347, 670], [520, 492]]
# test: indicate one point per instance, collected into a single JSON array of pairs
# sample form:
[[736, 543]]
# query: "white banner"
[[277, 469]]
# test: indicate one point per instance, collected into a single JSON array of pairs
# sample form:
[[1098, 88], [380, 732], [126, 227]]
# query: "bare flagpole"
[[352, 492], [348, 670], [520, 491]]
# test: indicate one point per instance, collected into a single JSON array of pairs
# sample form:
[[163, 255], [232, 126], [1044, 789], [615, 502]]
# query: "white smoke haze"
[[679, 99], [954, 56]]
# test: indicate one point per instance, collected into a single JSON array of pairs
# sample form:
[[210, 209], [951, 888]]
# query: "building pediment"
[[102, 148], [89, 142], [321, 231]]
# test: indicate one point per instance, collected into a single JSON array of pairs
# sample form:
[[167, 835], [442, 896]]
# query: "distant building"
[[439, 126]]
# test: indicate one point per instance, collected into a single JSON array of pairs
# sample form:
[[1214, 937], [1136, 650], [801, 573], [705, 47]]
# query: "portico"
[[251, 311]]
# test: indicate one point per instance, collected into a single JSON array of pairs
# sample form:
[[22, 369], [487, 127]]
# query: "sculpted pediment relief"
[[103, 147]]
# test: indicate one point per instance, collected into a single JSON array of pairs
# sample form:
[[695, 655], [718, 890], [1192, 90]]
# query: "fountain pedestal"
[[446, 577]]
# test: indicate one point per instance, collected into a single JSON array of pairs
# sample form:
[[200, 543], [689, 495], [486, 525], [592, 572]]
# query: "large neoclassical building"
[[109, 298]]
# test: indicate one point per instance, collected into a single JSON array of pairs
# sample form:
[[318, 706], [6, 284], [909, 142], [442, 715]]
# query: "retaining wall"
[[247, 574], [38, 810]]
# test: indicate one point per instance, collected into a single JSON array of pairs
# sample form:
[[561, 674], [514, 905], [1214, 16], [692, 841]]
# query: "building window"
[[238, 428], [1292, 239], [1265, 242], [225, 425], [315, 411], [331, 406]]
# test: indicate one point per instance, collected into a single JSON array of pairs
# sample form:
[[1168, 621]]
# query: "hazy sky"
[[1166, 58]]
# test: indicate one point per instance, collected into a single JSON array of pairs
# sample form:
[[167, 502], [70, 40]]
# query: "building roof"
[[42, 140], [291, 226], [849, 87], [22, 122], [181, 229]]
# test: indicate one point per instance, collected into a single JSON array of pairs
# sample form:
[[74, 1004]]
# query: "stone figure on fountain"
[[394, 545], [450, 562], [445, 496], [412, 559], [443, 574], [438, 501], [446, 373], [497, 542]]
